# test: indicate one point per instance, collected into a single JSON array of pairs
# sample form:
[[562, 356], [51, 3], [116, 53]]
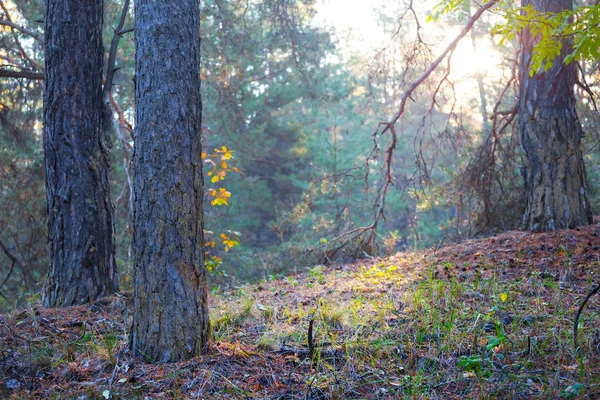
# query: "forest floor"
[[483, 319]]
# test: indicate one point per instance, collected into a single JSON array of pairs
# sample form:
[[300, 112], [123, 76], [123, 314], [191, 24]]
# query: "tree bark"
[[170, 319], [80, 224], [550, 132]]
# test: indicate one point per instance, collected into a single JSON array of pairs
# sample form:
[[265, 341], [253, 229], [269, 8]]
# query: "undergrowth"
[[410, 326]]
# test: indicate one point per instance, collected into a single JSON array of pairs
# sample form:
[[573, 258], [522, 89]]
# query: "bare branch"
[[27, 74], [121, 116], [20, 29], [12, 61], [9, 254], [390, 126], [584, 85], [34, 64], [112, 54], [436, 63], [12, 268]]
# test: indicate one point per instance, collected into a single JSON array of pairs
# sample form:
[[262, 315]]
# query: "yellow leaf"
[[504, 297], [215, 179]]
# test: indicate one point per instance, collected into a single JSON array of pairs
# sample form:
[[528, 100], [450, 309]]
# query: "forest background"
[[290, 108]]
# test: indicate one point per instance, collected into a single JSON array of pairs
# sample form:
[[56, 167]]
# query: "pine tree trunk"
[[170, 319], [80, 224], [550, 132]]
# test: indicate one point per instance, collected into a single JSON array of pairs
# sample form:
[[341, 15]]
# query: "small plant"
[[574, 390], [382, 272], [219, 162], [266, 311], [292, 281], [476, 365], [317, 273], [231, 317]]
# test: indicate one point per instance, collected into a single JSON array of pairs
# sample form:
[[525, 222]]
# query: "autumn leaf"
[[229, 242], [226, 154]]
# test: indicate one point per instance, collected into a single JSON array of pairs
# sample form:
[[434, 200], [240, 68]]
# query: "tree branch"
[[112, 54], [33, 63], [391, 126], [26, 73], [12, 61], [20, 29], [121, 116], [9, 254], [436, 63]]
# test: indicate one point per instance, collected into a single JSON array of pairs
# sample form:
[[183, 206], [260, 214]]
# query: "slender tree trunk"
[[170, 319], [479, 76], [553, 168], [80, 224]]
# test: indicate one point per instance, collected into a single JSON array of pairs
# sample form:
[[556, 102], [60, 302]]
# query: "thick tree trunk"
[[80, 225], [170, 319], [550, 132]]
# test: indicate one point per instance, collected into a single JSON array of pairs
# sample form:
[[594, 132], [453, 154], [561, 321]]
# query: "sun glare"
[[355, 21], [359, 31], [471, 59]]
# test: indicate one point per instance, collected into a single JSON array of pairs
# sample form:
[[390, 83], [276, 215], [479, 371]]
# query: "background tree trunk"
[[550, 132], [170, 319], [80, 224]]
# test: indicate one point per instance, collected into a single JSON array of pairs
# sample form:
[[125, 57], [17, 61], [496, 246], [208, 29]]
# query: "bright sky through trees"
[[355, 22], [358, 30]]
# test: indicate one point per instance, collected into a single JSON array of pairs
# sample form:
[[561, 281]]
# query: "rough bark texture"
[[553, 170], [170, 319], [80, 224]]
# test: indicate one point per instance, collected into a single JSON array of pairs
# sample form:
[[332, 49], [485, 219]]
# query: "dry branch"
[[112, 54], [20, 29], [27, 74], [34, 64], [390, 126]]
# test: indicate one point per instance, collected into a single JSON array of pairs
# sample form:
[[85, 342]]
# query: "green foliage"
[[460, 8], [474, 364], [579, 25], [300, 113]]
